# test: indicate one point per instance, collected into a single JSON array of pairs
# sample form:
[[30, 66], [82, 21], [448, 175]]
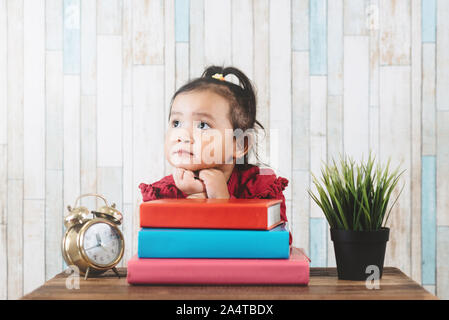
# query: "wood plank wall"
[[85, 88]]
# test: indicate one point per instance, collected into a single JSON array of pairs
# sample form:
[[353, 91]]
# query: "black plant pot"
[[355, 251]]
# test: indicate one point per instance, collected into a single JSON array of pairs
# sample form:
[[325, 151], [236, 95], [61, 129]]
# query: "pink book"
[[294, 270]]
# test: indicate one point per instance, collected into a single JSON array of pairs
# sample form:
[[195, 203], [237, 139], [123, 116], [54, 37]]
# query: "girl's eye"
[[203, 126], [175, 123]]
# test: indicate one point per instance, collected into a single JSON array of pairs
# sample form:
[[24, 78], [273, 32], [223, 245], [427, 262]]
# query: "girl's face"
[[200, 133]]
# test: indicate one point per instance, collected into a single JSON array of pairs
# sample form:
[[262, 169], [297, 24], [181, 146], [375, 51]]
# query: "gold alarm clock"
[[93, 242]]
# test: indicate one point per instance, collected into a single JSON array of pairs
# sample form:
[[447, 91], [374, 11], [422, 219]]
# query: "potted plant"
[[354, 199]]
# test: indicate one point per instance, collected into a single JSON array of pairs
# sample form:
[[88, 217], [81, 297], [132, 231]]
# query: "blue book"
[[213, 243]]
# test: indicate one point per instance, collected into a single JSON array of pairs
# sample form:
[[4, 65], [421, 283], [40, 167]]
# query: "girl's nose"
[[183, 135], [185, 139]]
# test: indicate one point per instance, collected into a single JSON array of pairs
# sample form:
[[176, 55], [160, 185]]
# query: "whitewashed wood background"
[[85, 88]]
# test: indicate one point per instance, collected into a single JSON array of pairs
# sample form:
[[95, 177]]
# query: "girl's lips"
[[183, 152]]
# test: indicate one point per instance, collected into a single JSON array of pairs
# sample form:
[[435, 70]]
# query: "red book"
[[294, 270], [259, 214]]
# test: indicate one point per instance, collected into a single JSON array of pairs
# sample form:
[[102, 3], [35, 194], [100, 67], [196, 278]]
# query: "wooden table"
[[324, 284]]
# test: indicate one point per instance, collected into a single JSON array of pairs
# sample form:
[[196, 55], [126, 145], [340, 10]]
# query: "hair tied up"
[[218, 76]]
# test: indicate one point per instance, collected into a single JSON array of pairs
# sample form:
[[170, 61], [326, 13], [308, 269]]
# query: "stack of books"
[[215, 241]]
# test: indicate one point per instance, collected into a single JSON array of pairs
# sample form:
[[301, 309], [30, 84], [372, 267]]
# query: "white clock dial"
[[102, 244]]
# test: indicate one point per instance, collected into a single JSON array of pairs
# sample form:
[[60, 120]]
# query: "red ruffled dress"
[[245, 182]]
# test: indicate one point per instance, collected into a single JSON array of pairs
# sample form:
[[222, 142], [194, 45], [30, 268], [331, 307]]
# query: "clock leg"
[[116, 272], [87, 273]]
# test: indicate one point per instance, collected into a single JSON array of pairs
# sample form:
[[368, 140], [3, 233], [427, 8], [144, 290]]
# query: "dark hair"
[[241, 98]]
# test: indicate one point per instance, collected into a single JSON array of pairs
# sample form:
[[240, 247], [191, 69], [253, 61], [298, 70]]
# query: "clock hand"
[[96, 246], [99, 244], [98, 239]]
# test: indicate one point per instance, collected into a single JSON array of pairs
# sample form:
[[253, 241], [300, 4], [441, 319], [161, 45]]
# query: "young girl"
[[205, 143]]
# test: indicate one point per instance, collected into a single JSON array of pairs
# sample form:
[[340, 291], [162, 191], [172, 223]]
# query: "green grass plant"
[[355, 196]]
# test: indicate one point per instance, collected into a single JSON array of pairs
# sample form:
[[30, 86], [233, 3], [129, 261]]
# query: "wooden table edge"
[[420, 292]]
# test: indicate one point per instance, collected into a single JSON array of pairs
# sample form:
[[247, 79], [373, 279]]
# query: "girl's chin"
[[192, 166]]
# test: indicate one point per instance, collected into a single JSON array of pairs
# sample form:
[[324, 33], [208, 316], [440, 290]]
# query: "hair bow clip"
[[218, 76]]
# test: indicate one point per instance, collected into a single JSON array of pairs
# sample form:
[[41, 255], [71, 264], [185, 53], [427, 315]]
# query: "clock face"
[[102, 244]]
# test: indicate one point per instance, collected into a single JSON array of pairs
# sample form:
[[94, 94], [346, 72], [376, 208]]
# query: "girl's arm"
[[162, 189], [263, 186]]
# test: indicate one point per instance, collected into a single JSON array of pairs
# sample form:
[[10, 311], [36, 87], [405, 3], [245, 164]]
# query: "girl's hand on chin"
[[201, 195], [186, 182], [215, 182]]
